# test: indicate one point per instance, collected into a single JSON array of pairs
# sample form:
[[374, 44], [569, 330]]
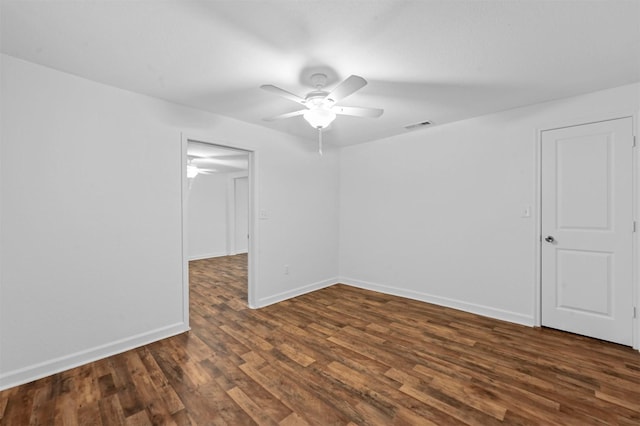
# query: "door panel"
[[585, 279], [584, 182], [587, 220]]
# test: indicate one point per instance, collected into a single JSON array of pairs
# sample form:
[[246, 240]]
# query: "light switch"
[[526, 211], [263, 215]]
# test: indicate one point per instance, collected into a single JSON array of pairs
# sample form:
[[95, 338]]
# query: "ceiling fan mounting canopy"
[[318, 80]]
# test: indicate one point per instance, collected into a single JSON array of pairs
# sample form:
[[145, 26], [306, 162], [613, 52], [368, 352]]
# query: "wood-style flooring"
[[338, 356]]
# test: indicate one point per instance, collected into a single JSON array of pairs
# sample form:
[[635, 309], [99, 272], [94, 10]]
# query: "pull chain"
[[320, 140]]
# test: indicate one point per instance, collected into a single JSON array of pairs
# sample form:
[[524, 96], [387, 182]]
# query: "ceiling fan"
[[320, 105], [193, 169]]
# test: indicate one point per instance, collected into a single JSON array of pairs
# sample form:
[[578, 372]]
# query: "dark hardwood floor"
[[338, 356]]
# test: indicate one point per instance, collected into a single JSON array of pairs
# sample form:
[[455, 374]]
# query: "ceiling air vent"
[[418, 125]]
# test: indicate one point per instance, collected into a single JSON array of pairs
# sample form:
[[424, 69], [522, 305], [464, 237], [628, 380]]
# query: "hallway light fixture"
[[192, 171]]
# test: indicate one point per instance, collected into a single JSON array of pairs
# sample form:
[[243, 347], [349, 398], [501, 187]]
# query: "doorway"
[[212, 214], [587, 229]]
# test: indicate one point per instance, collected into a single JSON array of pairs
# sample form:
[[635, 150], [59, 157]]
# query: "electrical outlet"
[[286, 269]]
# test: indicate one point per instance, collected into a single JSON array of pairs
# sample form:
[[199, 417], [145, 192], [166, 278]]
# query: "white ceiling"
[[425, 60]]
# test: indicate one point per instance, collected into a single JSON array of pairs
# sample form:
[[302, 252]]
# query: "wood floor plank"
[[250, 407], [66, 411], [4, 399], [160, 383], [19, 405], [293, 419], [111, 411], [43, 407], [139, 419], [90, 414], [338, 356], [231, 376]]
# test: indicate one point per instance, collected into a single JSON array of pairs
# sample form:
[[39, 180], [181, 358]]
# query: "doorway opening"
[[217, 210]]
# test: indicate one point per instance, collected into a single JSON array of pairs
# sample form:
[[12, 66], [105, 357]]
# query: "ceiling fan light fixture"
[[319, 118]]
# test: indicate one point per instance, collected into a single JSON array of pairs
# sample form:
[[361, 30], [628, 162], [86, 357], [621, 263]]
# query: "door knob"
[[549, 239]]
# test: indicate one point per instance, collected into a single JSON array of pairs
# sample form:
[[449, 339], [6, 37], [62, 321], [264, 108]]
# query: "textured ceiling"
[[425, 60]]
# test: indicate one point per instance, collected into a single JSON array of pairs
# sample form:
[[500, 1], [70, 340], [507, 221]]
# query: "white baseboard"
[[299, 291], [38, 371], [208, 255], [473, 308]]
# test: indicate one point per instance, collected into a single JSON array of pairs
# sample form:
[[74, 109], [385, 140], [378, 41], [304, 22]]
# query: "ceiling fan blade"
[[281, 92], [216, 160], [358, 111], [287, 115], [352, 84]]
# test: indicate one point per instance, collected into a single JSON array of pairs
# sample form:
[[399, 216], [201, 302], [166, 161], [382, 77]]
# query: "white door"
[[587, 230], [241, 212]]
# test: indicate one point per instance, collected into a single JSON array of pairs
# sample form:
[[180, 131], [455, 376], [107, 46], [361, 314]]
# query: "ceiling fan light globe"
[[319, 118]]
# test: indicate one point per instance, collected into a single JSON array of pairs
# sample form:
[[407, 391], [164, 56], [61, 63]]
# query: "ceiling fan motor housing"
[[317, 98]]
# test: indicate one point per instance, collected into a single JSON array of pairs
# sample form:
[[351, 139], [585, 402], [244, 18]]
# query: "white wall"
[[436, 214], [207, 223], [90, 227], [240, 214], [90, 220], [213, 214]]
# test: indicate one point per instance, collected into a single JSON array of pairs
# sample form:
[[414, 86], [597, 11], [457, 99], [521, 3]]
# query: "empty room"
[[319, 212]]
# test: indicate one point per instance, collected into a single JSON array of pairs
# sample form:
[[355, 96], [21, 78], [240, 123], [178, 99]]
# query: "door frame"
[[252, 255], [635, 184]]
